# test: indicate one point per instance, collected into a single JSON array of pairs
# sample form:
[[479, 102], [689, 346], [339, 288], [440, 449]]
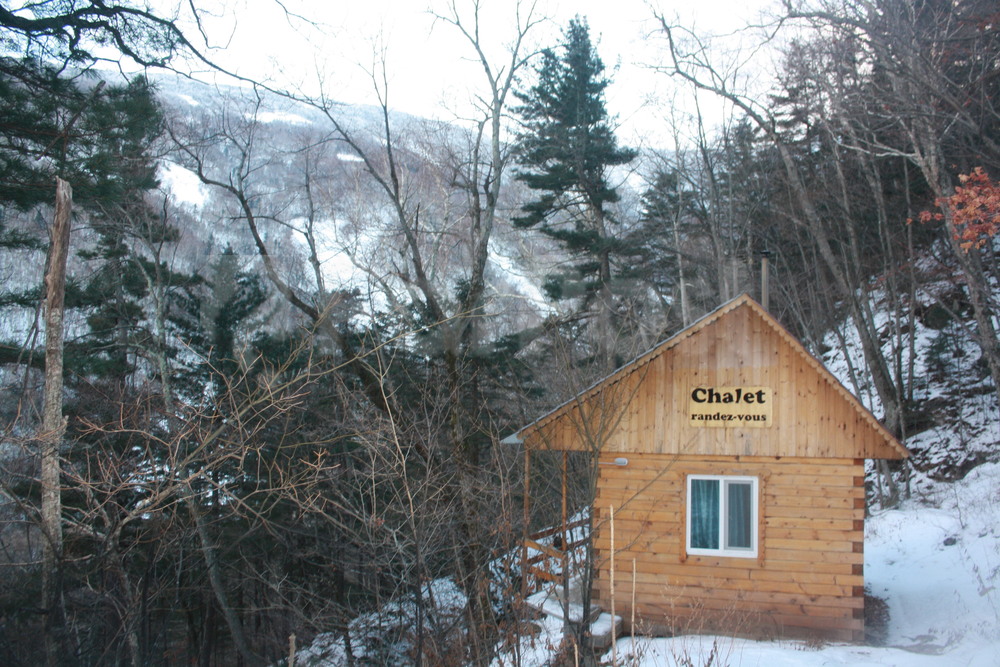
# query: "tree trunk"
[[218, 587], [53, 423]]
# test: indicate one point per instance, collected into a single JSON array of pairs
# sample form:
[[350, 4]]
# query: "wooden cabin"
[[734, 464]]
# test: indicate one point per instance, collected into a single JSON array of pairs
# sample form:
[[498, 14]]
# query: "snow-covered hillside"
[[310, 188], [956, 422]]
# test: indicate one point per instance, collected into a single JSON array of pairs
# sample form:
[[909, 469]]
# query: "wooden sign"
[[730, 407]]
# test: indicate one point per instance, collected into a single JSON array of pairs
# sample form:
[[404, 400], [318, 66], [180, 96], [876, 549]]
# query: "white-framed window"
[[722, 515]]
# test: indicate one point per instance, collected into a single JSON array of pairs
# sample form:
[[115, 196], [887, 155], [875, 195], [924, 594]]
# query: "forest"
[[259, 349]]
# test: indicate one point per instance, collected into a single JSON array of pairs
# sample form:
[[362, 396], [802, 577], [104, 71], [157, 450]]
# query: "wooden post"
[[611, 583], [764, 289], [53, 422], [631, 625], [564, 547], [565, 518], [527, 518]]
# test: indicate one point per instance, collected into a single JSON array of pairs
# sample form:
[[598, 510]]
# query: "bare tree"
[[691, 64], [930, 66], [438, 193]]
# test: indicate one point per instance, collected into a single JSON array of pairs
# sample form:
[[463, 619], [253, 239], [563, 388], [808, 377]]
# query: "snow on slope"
[[182, 184], [961, 420], [371, 633]]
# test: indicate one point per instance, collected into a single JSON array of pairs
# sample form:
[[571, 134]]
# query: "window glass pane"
[[739, 510], [704, 514]]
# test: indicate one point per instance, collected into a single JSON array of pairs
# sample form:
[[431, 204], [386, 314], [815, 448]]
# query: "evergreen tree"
[[567, 148], [116, 167], [101, 138], [209, 316], [661, 235]]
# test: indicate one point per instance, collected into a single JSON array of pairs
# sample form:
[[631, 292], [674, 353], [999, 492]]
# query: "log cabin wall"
[[806, 579]]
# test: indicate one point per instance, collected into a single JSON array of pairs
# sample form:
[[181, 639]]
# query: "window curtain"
[[739, 511], [704, 514]]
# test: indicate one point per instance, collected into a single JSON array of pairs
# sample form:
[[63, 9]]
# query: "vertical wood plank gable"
[[649, 404]]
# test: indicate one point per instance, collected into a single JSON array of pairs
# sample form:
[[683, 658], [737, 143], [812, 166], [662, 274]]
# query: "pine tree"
[[112, 150], [567, 148], [101, 139], [660, 236], [208, 315]]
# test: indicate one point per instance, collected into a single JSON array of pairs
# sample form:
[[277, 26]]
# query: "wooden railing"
[[540, 566]]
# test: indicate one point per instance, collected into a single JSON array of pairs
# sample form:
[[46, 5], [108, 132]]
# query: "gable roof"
[[656, 377]]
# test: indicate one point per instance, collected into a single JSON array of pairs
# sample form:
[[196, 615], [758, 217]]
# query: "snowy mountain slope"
[[955, 420], [356, 233]]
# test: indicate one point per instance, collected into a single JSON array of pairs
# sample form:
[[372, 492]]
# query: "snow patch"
[[521, 282], [279, 117], [182, 184]]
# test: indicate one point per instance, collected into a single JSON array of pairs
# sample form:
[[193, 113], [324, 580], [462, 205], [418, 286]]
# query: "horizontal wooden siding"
[[807, 579]]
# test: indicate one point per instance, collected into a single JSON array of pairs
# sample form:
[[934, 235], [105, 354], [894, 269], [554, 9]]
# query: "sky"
[[430, 72]]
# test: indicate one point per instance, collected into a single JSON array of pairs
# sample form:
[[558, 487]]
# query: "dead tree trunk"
[[53, 423]]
